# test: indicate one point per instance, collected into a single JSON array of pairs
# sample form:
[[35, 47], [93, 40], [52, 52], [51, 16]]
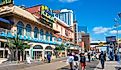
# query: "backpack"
[[83, 59], [76, 58], [101, 57]]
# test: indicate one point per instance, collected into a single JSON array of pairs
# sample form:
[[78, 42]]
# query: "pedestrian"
[[102, 59], [82, 61], [45, 57], [70, 60], [105, 55], [49, 57], [28, 59], [76, 61], [97, 56], [88, 56]]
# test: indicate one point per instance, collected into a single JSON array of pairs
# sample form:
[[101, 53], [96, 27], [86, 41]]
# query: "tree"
[[17, 45]]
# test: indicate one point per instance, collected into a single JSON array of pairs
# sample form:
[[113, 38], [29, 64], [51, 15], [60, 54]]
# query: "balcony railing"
[[8, 34]]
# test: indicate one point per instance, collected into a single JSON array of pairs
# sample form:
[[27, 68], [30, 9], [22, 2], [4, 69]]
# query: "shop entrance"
[[37, 52]]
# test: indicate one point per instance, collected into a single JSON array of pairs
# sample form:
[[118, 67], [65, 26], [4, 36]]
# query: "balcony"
[[5, 33]]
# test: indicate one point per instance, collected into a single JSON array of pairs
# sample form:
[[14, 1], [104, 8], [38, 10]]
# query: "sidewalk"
[[48, 66], [89, 66], [16, 66], [109, 65]]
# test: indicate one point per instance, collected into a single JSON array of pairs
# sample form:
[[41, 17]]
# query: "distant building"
[[75, 32], [86, 40], [65, 15]]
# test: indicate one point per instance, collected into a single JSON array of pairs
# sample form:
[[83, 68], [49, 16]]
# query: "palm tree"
[[11, 48], [17, 45]]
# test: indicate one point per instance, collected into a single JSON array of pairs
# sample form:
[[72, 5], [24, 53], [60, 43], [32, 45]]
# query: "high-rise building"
[[65, 15]]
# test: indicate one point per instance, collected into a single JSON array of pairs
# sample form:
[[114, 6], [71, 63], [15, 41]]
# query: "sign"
[[47, 15], [111, 39], [5, 2]]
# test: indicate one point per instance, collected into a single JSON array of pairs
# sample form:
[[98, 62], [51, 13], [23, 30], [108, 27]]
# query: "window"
[[51, 36], [20, 28], [28, 30], [41, 34], [36, 31], [37, 47], [47, 36]]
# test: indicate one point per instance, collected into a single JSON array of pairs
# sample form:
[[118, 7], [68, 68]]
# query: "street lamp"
[[117, 25]]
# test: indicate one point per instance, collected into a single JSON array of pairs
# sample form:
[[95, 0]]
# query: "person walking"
[[82, 61], [105, 55], [88, 56], [102, 59], [70, 60], [49, 57], [76, 61]]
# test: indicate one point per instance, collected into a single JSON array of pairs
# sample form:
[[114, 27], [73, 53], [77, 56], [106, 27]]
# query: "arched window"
[[37, 47], [41, 34], [51, 36], [47, 36], [36, 31], [20, 28], [28, 30], [48, 48]]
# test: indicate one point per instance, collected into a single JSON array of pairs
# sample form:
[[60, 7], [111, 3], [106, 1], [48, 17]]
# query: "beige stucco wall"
[[62, 29]]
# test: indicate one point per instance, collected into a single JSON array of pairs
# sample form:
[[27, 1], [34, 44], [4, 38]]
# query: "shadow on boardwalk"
[[90, 66]]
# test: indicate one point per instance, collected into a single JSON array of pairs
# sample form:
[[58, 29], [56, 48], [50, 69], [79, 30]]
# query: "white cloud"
[[69, 1], [115, 32], [99, 30]]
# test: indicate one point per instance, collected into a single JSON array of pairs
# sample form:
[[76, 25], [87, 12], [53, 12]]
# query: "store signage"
[[111, 39], [47, 15], [5, 2]]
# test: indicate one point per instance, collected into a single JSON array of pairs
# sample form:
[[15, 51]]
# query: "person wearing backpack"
[[70, 60], [76, 61], [82, 61], [102, 59]]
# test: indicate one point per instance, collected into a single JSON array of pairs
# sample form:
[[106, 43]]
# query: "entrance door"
[[1, 53], [37, 55]]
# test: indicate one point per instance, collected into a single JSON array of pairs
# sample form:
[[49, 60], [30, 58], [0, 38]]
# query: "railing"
[[6, 31]]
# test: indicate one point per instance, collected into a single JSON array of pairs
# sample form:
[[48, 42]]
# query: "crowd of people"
[[77, 60]]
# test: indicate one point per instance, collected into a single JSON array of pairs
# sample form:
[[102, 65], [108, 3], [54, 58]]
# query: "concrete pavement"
[[21, 66], [89, 66], [48, 66], [109, 65]]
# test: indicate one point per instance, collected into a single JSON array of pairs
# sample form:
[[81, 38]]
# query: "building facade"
[[86, 40], [35, 26], [65, 15]]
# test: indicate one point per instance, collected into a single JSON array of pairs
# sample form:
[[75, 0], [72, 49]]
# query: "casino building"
[[36, 26]]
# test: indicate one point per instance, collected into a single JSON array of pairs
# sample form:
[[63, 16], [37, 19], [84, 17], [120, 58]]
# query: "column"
[[43, 53], [32, 34], [24, 32]]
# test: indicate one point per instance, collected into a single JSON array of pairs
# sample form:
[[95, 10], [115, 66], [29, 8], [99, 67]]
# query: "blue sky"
[[97, 15]]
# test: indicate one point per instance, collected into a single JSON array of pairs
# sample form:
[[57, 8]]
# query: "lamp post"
[[117, 25]]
